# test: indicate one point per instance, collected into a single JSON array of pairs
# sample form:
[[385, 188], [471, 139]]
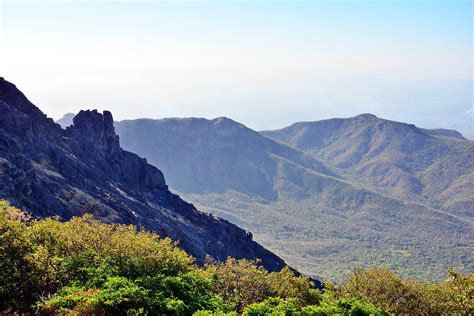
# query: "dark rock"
[[48, 171]]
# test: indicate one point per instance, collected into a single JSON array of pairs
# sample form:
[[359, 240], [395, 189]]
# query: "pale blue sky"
[[264, 63]]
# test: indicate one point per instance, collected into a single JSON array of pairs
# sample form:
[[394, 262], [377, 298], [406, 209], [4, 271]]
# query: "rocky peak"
[[10, 94], [95, 131], [49, 171], [365, 117], [66, 120]]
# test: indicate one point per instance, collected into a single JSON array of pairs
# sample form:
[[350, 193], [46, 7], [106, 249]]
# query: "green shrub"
[[327, 306], [84, 267], [243, 282], [18, 282], [272, 306], [214, 313], [400, 296]]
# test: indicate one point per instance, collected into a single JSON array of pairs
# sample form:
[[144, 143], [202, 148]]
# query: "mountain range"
[[435, 167], [50, 171], [326, 195]]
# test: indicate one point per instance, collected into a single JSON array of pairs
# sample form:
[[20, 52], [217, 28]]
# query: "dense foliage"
[[86, 267], [454, 296]]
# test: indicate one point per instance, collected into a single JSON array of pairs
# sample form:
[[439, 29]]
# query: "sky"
[[263, 63]]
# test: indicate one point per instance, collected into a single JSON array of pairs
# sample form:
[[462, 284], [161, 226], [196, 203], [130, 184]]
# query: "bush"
[[400, 296], [327, 306], [17, 281], [243, 282], [286, 284], [272, 306], [214, 313], [83, 264], [84, 267]]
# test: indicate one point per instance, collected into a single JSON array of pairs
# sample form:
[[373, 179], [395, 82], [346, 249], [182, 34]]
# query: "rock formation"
[[49, 171]]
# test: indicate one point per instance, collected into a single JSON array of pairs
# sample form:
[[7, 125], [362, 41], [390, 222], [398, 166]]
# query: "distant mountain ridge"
[[326, 195], [403, 160], [207, 162], [49, 171], [66, 120]]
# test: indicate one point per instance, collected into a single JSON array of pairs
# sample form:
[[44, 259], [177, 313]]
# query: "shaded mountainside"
[[49, 171], [312, 208], [215, 155]]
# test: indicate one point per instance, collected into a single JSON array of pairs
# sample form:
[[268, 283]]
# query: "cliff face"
[[50, 171]]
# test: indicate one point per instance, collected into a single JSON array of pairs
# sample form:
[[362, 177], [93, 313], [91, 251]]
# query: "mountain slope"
[[430, 166], [213, 155], [318, 215], [49, 171]]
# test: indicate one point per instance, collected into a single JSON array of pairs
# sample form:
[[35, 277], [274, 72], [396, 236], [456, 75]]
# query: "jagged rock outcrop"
[[49, 171]]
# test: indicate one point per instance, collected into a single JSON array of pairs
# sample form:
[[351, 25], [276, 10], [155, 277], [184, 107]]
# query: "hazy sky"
[[263, 63]]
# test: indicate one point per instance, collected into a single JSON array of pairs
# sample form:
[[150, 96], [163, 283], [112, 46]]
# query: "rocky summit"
[[50, 171]]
